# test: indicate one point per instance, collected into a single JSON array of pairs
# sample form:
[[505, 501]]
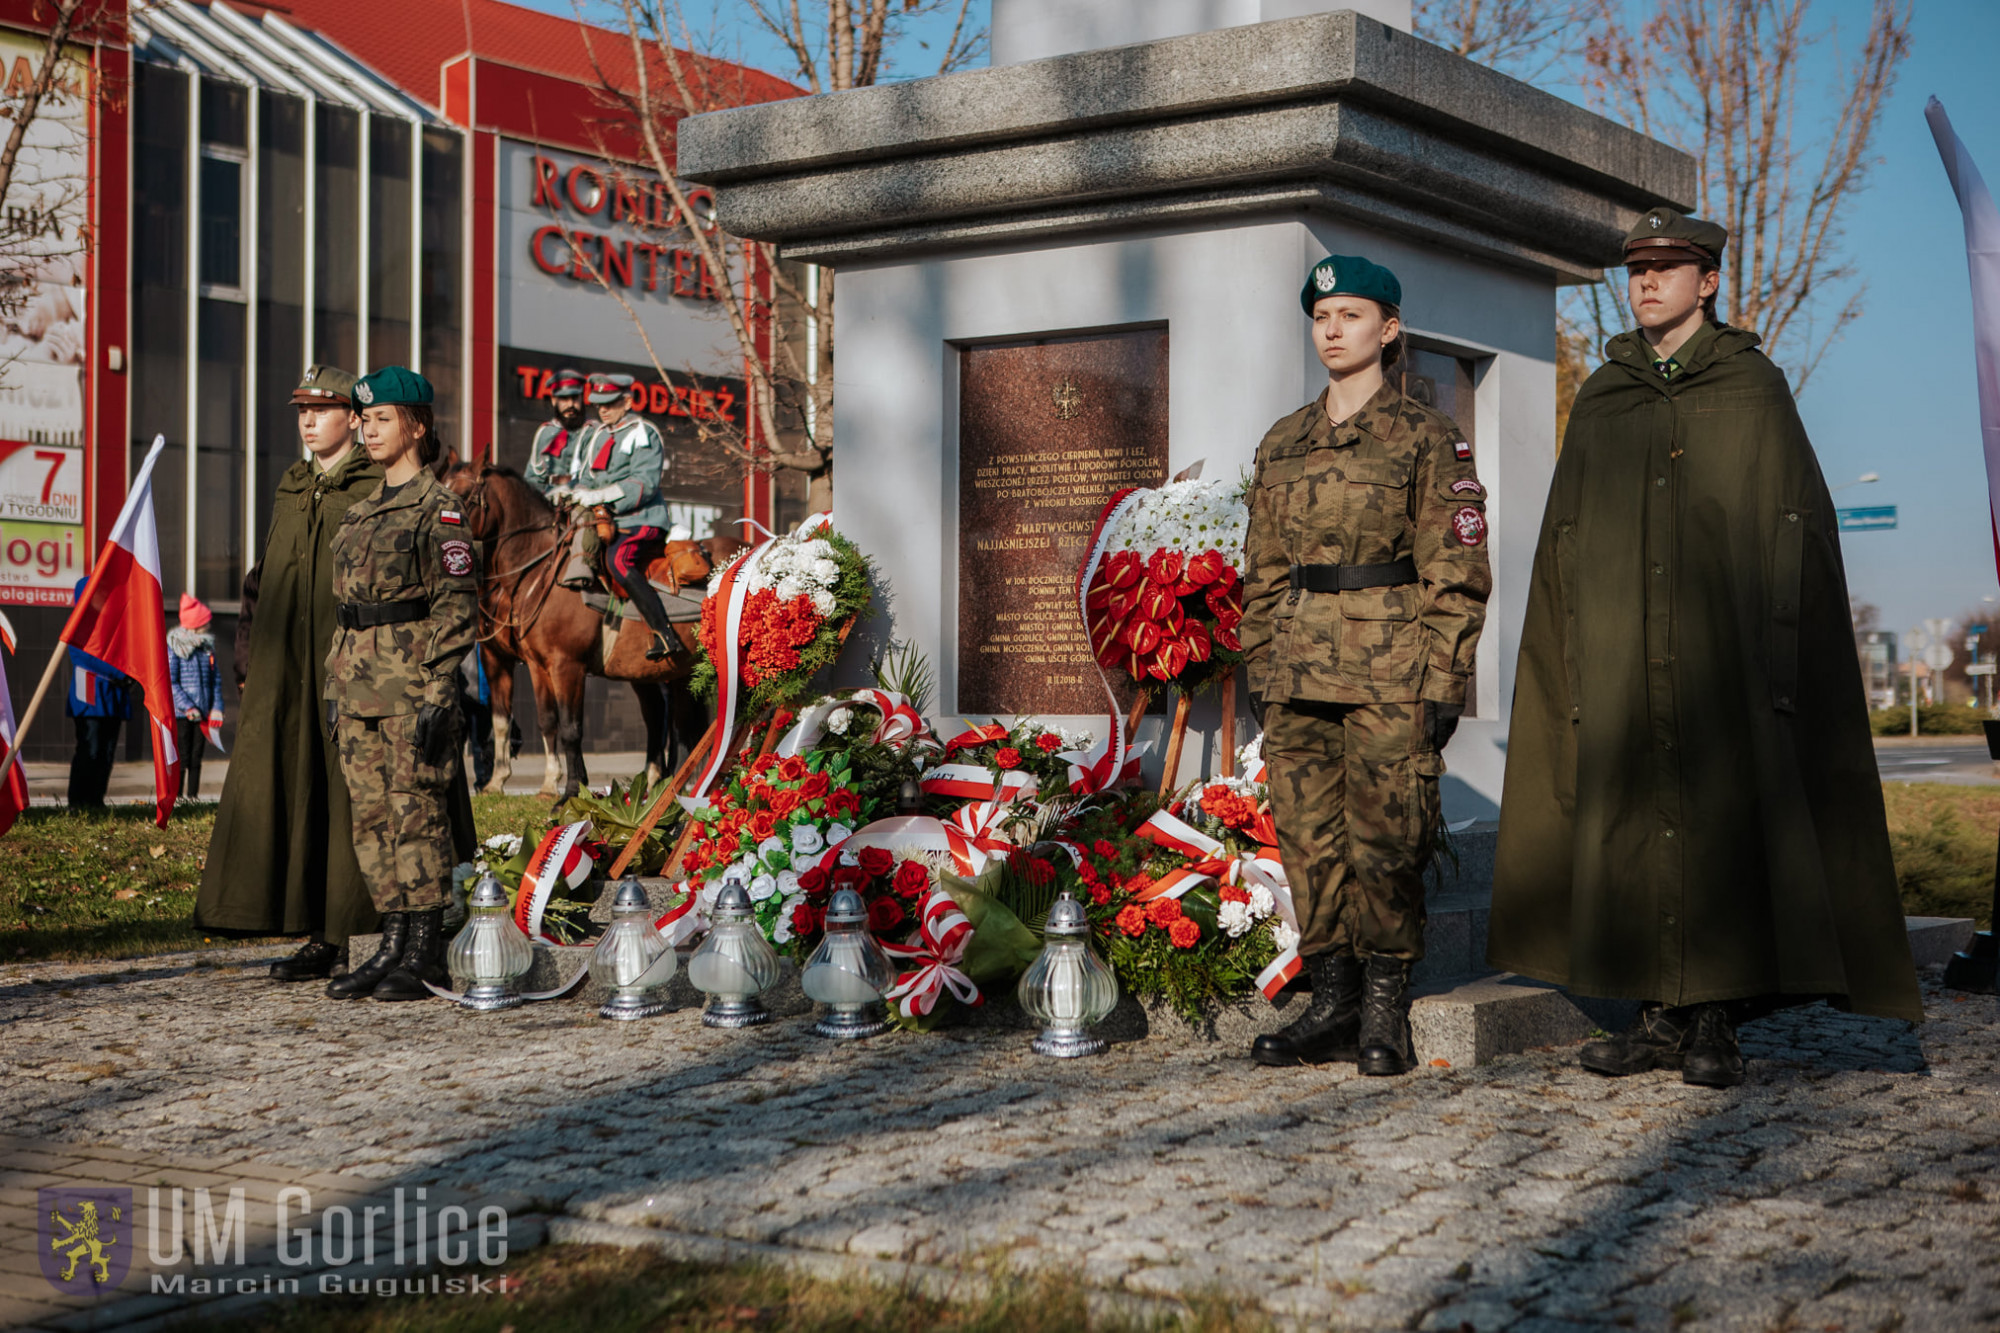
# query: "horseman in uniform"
[[620, 465], [552, 459]]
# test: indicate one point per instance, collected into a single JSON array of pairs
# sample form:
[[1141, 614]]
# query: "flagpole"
[[62, 646]]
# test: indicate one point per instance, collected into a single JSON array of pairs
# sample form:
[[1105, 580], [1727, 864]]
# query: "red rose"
[[815, 786], [843, 802], [1132, 920], [1184, 933], [805, 919], [1104, 848], [792, 769], [1100, 895], [1048, 742], [1009, 757], [812, 880], [760, 792], [784, 717], [784, 802], [1163, 911], [912, 879], [850, 877], [885, 913], [763, 824], [875, 862], [762, 764]]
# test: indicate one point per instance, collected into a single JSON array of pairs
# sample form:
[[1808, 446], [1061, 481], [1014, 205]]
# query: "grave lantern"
[[734, 964], [632, 961], [490, 954], [1068, 989], [848, 972]]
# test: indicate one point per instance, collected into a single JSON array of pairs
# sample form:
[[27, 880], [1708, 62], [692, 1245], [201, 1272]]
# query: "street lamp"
[[1865, 479]]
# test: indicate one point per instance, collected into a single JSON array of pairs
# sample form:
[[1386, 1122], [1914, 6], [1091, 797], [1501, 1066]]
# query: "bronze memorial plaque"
[[1048, 431]]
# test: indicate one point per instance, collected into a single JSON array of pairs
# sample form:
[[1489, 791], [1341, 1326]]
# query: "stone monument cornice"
[[1330, 112]]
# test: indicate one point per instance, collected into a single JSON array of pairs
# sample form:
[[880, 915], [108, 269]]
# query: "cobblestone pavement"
[[1853, 1185]]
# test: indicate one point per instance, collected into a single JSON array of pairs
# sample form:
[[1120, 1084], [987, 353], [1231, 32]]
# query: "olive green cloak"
[[1692, 810], [281, 860]]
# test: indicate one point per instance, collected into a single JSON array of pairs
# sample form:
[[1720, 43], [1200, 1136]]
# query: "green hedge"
[[1932, 720]]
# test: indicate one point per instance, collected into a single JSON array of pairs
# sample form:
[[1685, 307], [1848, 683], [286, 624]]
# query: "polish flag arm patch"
[[1462, 450], [451, 516]]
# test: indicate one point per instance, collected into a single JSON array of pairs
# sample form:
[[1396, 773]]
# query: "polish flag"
[[14, 793], [1982, 258], [119, 620]]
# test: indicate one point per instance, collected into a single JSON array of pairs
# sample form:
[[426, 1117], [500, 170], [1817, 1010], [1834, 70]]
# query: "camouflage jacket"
[[552, 457], [1394, 481], [411, 547]]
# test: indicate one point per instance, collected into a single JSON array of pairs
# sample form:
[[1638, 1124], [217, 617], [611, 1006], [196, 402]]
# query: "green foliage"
[[1932, 720], [1194, 981], [906, 671], [616, 816], [1944, 866], [1002, 946]]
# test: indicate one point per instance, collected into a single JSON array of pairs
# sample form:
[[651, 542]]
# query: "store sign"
[[585, 195], [650, 396], [43, 349]]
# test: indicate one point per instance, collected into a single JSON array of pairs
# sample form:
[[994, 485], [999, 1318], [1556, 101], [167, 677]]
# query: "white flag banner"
[[1982, 258]]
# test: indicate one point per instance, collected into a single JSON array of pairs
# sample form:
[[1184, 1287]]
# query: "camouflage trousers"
[[402, 834], [1354, 792]]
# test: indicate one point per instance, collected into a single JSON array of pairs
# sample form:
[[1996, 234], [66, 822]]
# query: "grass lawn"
[[113, 886], [599, 1289]]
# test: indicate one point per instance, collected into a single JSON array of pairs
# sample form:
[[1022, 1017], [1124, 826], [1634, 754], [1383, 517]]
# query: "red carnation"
[[1009, 757], [875, 862], [1086, 872], [1048, 742], [913, 878], [1163, 911], [1037, 871], [1139, 883], [1235, 893], [1100, 895], [1104, 848], [884, 913], [1184, 933], [792, 768], [1132, 920]]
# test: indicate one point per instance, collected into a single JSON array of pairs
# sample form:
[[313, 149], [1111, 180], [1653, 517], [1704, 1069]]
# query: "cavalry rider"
[[552, 459], [621, 461]]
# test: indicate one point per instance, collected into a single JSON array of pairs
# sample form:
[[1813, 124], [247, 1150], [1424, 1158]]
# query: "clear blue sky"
[[1896, 396]]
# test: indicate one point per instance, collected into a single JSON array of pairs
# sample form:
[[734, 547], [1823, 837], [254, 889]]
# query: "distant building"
[[1879, 671]]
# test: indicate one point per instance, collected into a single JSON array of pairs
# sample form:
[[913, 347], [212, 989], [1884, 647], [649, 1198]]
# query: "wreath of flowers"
[[1166, 602], [1028, 747], [801, 592]]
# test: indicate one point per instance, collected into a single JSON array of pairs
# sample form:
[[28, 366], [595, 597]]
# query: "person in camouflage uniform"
[[406, 580], [1364, 594], [552, 457]]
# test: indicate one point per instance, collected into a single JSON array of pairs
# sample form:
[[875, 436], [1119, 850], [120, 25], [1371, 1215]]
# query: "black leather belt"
[[1353, 578], [368, 615]]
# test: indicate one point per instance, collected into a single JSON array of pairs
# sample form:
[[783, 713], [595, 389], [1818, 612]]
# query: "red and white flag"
[[1982, 257], [14, 793], [120, 620]]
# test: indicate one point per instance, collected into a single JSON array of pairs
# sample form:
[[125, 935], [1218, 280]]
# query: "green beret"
[[392, 386], [1349, 275], [1663, 233], [324, 386]]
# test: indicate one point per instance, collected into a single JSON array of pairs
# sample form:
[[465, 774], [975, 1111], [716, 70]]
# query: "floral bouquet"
[[1164, 597], [994, 762]]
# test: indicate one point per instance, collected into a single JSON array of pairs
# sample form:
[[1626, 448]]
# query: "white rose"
[[704, 899], [769, 845], [781, 929], [806, 840], [788, 884], [763, 887], [1284, 937], [1234, 918], [837, 834]]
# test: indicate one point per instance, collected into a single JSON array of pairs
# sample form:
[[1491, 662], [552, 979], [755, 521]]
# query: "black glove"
[[332, 716], [1442, 719], [437, 734], [1257, 708]]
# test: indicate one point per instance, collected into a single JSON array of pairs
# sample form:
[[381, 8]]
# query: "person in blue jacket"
[[100, 697], [197, 688]]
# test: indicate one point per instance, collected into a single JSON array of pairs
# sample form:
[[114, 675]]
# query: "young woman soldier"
[[1363, 603], [405, 579], [1692, 816]]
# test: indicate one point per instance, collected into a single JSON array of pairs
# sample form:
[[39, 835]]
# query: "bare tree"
[[1530, 39], [780, 315], [1724, 80]]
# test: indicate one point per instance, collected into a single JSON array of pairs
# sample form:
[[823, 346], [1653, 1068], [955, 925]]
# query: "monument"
[[1118, 234]]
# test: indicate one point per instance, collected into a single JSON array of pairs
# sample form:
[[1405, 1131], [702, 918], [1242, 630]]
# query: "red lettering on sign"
[[617, 262], [581, 265], [546, 193], [535, 249], [684, 275], [657, 398], [54, 458], [528, 376], [596, 194], [626, 202], [725, 404], [652, 256]]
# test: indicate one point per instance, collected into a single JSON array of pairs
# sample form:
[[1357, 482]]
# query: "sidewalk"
[[132, 783]]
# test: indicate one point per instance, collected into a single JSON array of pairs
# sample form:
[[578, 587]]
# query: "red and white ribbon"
[[972, 839], [975, 782], [1213, 862], [684, 920], [1110, 762], [943, 932], [901, 722], [559, 859]]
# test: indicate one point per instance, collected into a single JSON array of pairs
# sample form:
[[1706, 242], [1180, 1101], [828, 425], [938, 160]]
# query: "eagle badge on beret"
[[1326, 277], [365, 392]]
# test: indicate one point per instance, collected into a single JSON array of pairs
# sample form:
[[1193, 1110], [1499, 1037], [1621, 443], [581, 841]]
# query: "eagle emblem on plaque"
[[1068, 399]]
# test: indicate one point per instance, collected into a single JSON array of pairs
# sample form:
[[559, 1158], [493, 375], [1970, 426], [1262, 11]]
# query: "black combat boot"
[[1657, 1039], [314, 959], [1713, 1058], [423, 960], [1330, 1027], [362, 980], [1386, 1048]]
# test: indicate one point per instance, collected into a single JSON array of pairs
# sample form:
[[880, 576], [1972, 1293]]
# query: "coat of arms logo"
[[85, 1238]]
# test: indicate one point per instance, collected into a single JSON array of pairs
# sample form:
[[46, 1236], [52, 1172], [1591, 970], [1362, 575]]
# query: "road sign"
[[1866, 520], [1980, 669], [1975, 629], [1938, 656]]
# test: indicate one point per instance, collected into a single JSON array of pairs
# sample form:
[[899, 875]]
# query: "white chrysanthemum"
[[1234, 918], [1284, 937], [506, 845], [826, 572], [1261, 903], [806, 840], [823, 602], [839, 720], [762, 887]]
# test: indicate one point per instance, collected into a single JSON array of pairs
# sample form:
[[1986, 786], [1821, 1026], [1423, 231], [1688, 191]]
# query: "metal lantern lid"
[[488, 892], [846, 909], [1067, 917], [630, 898], [732, 903]]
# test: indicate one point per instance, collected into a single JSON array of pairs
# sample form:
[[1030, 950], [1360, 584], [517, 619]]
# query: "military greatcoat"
[[405, 548], [1348, 676], [552, 457]]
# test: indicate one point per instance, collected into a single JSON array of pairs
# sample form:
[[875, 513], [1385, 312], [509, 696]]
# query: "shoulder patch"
[[1469, 526], [1462, 450], [457, 557], [451, 516], [1467, 486]]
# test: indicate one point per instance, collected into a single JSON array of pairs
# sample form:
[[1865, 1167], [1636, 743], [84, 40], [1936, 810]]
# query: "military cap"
[[568, 384], [392, 386], [324, 386], [1664, 233], [1349, 275], [610, 388]]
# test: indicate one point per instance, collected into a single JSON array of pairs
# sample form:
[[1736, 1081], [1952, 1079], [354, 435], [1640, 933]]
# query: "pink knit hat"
[[193, 614]]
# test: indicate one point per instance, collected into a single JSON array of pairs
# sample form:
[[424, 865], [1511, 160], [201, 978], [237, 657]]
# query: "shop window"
[[225, 115], [443, 289], [389, 203], [337, 238], [222, 226]]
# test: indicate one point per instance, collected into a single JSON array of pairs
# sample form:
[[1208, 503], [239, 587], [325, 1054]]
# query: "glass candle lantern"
[[848, 972], [632, 960], [490, 954], [734, 964], [1068, 989]]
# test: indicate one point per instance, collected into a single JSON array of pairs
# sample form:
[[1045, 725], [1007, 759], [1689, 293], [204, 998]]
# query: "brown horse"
[[527, 617]]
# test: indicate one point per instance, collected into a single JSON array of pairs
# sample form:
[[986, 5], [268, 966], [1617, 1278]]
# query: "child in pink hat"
[[197, 689]]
